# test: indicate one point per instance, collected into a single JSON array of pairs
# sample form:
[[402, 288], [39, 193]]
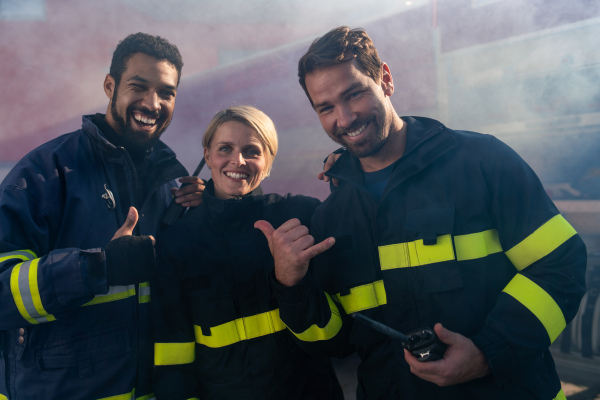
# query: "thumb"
[[127, 228], [445, 335], [265, 227]]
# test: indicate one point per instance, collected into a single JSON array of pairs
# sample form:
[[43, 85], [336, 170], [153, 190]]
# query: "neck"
[[391, 152]]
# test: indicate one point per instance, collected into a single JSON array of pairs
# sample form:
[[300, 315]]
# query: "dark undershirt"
[[375, 182]]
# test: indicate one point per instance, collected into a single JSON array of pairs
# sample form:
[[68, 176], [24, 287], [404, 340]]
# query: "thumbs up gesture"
[[129, 225], [292, 248]]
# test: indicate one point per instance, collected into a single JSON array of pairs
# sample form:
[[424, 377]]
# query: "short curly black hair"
[[154, 46]]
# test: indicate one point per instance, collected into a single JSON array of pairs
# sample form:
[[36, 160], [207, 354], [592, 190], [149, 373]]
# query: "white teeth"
[[143, 119], [236, 175], [357, 132]]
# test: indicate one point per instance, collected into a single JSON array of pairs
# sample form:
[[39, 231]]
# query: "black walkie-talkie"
[[176, 210], [423, 343]]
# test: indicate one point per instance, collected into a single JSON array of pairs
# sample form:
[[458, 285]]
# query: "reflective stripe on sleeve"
[[539, 302], [560, 395], [363, 297], [174, 353], [126, 396], [3, 397], [540, 243], [477, 245], [26, 293], [414, 254], [115, 293], [314, 333], [241, 329], [144, 292], [23, 255]]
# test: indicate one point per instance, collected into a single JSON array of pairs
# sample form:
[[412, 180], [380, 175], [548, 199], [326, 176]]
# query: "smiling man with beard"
[[76, 255], [429, 228]]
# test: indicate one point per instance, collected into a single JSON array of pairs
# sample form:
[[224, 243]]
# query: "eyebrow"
[[351, 88], [138, 78]]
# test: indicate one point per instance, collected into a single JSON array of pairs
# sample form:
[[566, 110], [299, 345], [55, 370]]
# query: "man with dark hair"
[[76, 255], [428, 228]]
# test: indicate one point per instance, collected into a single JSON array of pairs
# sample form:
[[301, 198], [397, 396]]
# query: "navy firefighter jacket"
[[218, 332], [64, 334], [464, 234]]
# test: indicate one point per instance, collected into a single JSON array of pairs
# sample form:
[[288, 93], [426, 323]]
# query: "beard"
[[131, 139], [367, 146]]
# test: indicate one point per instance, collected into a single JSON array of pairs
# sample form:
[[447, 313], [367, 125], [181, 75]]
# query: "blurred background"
[[527, 71]]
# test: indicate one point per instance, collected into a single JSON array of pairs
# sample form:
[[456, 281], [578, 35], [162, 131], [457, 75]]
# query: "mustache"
[[357, 124], [150, 114]]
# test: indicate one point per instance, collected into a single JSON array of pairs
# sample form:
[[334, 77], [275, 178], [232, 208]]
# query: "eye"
[[253, 152], [354, 95], [324, 110], [225, 149], [167, 95], [137, 87]]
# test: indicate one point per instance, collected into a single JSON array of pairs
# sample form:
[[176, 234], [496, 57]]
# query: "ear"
[[109, 86], [387, 82], [207, 157]]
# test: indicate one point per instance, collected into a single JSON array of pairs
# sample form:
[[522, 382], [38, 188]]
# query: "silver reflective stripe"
[[27, 295], [115, 293], [20, 254], [144, 289]]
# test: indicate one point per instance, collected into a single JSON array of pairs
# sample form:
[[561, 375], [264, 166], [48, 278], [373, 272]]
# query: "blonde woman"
[[218, 331]]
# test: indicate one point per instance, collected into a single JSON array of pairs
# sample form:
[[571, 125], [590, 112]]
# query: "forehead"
[[327, 82], [237, 133], [151, 69]]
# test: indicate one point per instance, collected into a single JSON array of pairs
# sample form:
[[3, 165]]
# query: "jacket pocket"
[[84, 350]]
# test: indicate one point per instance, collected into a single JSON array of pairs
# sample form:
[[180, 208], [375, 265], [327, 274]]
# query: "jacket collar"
[[427, 140], [161, 160]]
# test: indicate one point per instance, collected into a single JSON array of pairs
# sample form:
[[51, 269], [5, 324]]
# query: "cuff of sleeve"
[[498, 354], [290, 294], [95, 273], [130, 260]]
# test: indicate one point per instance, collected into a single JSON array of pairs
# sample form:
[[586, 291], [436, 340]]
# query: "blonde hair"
[[253, 118]]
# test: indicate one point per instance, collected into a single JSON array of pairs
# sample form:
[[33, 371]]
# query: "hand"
[[462, 362], [331, 159], [127, 228], [190, 192], [292, 248]]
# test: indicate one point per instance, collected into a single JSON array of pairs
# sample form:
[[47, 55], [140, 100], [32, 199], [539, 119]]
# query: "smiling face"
[[236, 159], [354, 110], [141, 106]]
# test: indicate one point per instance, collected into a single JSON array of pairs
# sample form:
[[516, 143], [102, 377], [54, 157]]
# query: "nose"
[[238, 159], [151, 101], [345, 117]]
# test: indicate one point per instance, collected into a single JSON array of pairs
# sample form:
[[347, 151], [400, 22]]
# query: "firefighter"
[[429, 228], [77, 215]]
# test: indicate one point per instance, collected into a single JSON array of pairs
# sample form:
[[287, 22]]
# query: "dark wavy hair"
[[339, 45], [154, 46]]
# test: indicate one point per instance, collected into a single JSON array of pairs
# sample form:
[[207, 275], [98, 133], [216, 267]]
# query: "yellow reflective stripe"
[[115, 293], [146, 397], [3, 397], [26, 294], [540, 243], [314, 333], [126, 396], [414, 254], [560, 395], [174, 353], [539, 302], [241, 329], [23, 255], [477, 245], [144, 292], [362, 297]]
